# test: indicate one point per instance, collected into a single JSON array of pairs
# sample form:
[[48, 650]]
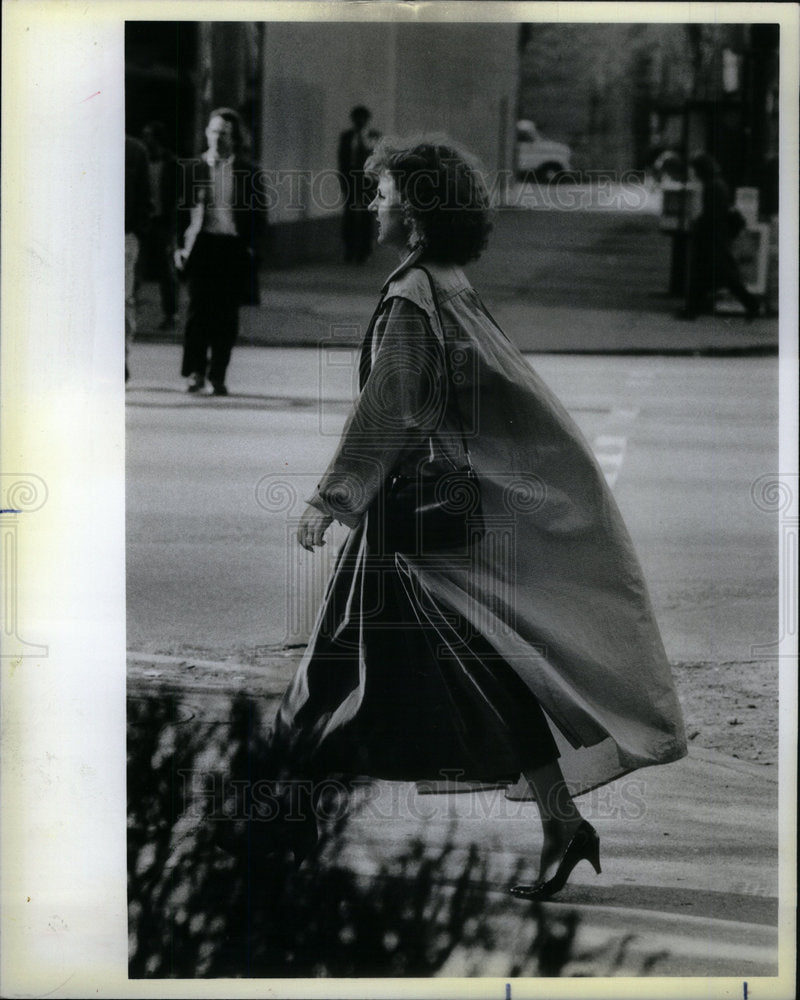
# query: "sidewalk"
[[689, 850], [556, 282]]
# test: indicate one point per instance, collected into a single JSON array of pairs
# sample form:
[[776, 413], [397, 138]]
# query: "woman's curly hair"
[[445, 200]]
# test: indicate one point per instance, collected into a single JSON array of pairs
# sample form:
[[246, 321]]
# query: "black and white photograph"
[[400, 499]]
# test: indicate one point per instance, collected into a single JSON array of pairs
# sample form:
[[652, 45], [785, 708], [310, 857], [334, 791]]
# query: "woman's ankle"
[[561, 827]]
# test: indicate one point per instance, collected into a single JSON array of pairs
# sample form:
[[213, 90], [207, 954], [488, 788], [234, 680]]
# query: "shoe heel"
[[593, 855]]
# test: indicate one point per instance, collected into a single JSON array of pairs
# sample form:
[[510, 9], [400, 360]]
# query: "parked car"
[[539, 157]]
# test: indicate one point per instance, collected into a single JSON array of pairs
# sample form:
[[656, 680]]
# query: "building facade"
[[620, 94], [295, 83]]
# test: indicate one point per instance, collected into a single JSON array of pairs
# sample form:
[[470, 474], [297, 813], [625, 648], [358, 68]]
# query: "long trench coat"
[[464, 664]]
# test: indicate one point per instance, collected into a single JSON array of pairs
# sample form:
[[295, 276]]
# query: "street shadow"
[[215, 888], [224, 881], [686, 902]]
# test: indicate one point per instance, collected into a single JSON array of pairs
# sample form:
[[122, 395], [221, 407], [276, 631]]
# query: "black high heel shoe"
[[584, 846]]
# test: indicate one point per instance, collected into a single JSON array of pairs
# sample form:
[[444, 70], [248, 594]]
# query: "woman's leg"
[[229, 260], [201, 280], [559, 815], [730, 277], [700, 278]]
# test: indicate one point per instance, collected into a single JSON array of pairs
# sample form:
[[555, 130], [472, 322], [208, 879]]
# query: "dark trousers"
[[356, 232], [214, 276], [713, 266]]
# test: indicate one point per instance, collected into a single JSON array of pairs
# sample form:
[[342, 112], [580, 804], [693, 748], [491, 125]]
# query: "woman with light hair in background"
[[220, 251]]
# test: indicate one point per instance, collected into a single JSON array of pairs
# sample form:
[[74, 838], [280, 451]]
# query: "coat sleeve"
[[400, 404]]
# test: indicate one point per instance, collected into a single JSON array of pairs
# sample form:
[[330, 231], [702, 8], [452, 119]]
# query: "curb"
[[271, 676], [312, 343]]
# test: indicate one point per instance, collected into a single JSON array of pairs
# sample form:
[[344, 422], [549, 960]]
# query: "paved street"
[[212, 568]]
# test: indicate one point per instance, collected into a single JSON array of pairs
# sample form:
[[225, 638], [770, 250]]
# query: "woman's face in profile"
[[386, 204], [219, 136]]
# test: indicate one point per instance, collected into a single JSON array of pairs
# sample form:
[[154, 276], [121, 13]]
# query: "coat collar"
[[409, 262], [449, 278]]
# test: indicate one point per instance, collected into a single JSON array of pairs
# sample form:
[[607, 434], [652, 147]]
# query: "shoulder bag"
[[440, 507]]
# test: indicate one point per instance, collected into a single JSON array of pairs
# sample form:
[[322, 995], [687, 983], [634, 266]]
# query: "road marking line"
[[609, 450]]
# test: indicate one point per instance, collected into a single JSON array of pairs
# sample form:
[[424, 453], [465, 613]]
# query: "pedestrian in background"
[[157, 256], [220, 250], [435, 657], [711, 262], [355, 145], [668, 169], [138, 208]]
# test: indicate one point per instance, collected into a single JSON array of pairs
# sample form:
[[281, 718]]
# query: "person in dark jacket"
[[158, 250], [711, 261], [137, 216], [219, 255], [355, 145]]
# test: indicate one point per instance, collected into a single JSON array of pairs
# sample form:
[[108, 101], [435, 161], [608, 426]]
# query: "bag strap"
[[439, 316]]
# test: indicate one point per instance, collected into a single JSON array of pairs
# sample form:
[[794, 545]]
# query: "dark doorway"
[[161, 80]]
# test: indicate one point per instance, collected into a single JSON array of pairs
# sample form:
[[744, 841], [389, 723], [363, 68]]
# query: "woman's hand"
[[313, 526]]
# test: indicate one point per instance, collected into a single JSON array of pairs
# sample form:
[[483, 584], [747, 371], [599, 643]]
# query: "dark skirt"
[[396, 687]]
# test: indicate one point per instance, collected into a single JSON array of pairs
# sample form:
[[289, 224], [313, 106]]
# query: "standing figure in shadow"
[[711, 262], [158, 252], [355, 145], [138, 207]]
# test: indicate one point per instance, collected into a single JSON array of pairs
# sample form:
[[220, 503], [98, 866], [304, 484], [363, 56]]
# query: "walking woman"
[[487, 616]]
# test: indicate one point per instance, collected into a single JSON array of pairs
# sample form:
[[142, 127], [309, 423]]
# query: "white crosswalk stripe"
[[609, 450]]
